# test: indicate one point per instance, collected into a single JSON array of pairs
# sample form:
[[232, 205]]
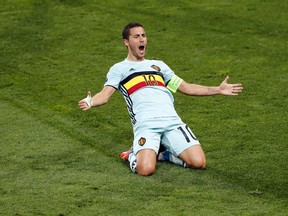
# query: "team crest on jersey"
[[156, 68], [141, 141]]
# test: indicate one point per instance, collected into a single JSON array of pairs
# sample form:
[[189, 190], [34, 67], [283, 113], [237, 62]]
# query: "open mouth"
[[141, 48]]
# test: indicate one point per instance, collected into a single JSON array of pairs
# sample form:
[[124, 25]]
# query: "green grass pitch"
[[58, 160]]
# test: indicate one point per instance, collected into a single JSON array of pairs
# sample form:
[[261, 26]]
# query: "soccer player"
[[146, 86]]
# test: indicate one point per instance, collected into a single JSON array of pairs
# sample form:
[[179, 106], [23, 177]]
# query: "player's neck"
[[135, 58]]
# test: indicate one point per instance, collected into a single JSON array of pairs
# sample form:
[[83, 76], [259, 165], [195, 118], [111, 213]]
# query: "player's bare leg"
[[194, 157], [146, 162]]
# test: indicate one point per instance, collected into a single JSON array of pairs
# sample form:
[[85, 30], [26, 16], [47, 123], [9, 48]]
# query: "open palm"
[[230, 89]]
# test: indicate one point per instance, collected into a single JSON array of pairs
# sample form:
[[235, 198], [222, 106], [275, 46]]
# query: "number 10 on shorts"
[[186, 130]]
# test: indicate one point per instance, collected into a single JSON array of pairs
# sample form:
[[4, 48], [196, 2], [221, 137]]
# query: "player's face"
[[136, 44]]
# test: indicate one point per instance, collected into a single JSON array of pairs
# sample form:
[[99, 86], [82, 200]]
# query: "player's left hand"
[[230, 89]]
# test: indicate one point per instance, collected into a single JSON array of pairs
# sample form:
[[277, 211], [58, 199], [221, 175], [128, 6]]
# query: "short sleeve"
[[167, 72], [113, 77]]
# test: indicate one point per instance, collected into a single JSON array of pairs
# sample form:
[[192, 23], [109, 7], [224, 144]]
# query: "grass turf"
[[57, 160]]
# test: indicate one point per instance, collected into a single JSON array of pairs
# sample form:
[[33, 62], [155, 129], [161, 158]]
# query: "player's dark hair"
[[126, 30]]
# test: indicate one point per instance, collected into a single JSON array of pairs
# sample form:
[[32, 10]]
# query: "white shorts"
[[175, 137]]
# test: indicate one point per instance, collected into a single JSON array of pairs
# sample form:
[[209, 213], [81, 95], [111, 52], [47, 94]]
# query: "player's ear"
[[126, 42]]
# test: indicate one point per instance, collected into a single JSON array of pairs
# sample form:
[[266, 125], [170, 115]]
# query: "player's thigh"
[[179, 139]]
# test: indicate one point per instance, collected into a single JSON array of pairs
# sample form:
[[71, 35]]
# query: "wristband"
[[89, 100], [174, 83]]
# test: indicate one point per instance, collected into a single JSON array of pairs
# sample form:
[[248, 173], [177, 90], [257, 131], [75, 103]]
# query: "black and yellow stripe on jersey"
[[139, 80]]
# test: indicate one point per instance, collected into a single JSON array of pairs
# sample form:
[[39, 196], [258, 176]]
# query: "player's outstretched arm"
[[199, 90], [98, 99]]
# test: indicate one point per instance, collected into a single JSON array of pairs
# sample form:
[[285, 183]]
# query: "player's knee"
[[146, 162], [145, 169], [196, 163]]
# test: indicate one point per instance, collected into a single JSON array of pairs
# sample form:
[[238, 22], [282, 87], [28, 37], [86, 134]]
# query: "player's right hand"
[[86, 103]]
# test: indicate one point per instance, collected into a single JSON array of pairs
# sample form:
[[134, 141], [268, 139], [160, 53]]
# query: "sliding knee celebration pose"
[[146, 86]]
